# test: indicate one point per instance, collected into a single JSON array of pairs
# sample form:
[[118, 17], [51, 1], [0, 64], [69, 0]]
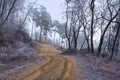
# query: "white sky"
[[54, 7]]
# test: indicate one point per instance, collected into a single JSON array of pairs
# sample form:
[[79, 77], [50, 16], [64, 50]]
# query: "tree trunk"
[[114, 42], [69, 44], [87, 39], [66, 26], [92, 22], [88, 47], [40, 36], [75, 43], [109, 40]]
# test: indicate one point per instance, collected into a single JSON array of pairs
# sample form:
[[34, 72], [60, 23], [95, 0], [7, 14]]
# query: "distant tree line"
[[42, 20], [42, 25]]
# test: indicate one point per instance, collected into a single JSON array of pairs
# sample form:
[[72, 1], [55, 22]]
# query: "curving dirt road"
[[57, 67]]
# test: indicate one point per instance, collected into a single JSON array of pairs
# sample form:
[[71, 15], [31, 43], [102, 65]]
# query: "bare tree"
[[112, 17], [68, 33]]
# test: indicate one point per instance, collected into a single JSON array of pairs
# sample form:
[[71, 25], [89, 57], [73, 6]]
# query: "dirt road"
[[57, 67]]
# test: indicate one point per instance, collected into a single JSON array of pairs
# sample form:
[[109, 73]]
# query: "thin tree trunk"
[[69, 45], [102, 37], [109, 42], [92, 22], [32, 29], [75, 43], [87, 39], [66, 32], [113, 48], [40, 36], [88, 47]]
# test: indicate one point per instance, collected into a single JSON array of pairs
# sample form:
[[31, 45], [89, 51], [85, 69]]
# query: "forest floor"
[[97, 68], [54, 66]]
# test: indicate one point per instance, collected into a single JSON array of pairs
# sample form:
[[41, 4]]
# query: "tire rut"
[[67, 71], [38, 72], [53, 73], [57, 68]]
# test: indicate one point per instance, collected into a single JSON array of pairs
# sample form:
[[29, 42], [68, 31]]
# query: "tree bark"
[[92, 6]]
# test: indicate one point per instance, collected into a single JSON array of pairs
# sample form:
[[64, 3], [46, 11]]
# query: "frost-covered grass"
[[20, 51], [16, 59], [97, 68], [17, 54]]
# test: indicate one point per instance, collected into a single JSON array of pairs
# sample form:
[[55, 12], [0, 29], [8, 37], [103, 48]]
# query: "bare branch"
[[27, 14], [9, 12]]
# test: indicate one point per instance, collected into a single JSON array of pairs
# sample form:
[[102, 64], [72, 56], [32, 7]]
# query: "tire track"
[[53, 72], [57, 68], [68, 69], [38, 72]]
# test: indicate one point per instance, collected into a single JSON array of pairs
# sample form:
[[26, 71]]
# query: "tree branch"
[[8, 12]]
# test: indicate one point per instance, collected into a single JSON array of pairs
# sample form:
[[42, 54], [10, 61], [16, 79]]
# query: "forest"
[[84, 45]]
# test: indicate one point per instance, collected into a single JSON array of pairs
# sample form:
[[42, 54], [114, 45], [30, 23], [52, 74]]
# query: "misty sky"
[[54, 7]]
